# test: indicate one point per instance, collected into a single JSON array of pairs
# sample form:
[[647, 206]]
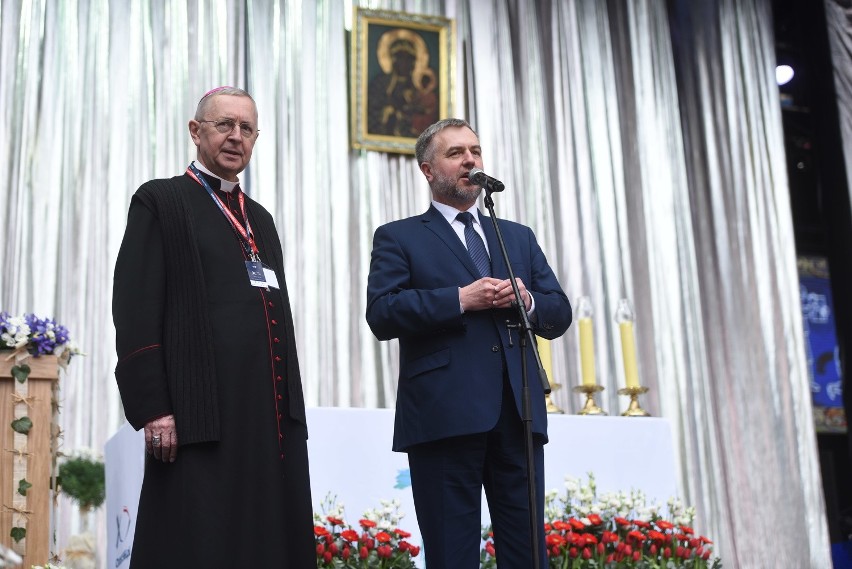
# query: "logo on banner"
[[123, 522]]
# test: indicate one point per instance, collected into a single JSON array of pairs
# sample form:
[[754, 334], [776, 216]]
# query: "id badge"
[[271, 279], [256, 274]]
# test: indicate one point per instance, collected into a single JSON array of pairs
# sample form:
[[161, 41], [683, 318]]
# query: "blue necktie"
[[475, 246]]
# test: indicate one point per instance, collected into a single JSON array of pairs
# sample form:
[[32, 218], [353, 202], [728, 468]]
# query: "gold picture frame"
[[402, 77]]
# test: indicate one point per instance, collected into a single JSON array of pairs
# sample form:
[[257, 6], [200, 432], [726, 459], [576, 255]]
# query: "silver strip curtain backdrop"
[[640, 139]]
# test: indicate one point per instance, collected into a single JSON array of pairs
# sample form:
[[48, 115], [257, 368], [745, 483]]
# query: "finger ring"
[[155, 440]]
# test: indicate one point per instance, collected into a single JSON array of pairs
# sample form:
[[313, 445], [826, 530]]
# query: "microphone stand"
[[526, 337]]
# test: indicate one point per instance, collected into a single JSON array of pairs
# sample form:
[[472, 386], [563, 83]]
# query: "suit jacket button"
[[495, 349]]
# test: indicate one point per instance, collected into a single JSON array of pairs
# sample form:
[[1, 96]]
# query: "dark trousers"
[[447, 477]]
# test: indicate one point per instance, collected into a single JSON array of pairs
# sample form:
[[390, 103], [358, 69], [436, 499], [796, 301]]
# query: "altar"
[[351, 461]]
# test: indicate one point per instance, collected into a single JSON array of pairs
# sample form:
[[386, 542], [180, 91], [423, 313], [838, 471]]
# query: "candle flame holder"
[[634, 409], [591, 407], [549, 404]]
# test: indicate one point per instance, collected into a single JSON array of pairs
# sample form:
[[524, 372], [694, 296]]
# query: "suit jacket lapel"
[[437, 223]]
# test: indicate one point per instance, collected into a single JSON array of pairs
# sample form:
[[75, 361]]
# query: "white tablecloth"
[[350, 458]]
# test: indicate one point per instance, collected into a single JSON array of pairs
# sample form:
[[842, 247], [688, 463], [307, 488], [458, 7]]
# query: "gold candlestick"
[[591, 407], [634, 409], [550, 405]]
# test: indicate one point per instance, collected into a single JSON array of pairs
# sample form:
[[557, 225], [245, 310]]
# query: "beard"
[[448, 188]]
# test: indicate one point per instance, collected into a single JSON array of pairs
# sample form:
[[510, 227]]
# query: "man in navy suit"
[[460, 379]]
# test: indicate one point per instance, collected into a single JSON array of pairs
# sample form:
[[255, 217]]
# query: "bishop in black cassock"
[[207, 363]]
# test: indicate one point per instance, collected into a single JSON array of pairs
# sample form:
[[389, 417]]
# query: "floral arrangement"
[[377, 543], [36, 336], [616, 531]]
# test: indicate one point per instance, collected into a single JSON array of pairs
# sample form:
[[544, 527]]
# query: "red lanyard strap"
[[244, 232]]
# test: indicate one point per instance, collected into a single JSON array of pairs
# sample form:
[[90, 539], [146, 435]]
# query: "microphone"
[[477, 176]]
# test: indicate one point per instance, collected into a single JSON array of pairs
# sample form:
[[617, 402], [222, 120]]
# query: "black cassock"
[[242, 500]]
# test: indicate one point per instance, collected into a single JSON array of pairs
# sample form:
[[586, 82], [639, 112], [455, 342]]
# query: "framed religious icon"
[[402, 77]]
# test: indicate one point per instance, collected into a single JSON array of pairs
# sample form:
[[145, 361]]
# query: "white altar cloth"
[[351, 458]]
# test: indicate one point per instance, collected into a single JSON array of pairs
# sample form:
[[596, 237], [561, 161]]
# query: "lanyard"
[[244, 232]]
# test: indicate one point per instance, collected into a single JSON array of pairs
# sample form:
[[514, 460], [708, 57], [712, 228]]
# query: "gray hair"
[[209, 95], [423, 149]]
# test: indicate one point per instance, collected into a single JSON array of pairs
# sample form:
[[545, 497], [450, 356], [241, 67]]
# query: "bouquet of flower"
[[616, 531], [36, 336], [377, 544]]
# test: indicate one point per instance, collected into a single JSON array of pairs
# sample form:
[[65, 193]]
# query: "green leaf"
[[23, 486], [21, 372], [18, 534], [22, 425]]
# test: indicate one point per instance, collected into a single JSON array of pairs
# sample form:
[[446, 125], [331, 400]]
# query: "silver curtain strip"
[[650, 168]]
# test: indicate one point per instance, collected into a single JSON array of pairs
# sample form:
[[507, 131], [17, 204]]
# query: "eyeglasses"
[[226, 126]]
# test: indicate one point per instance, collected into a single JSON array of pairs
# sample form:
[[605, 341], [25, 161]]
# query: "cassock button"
[[276, 340], [495, 349], [277, 358], [270, 304], [280, 436], [274, 322], [279, 396], [282, 456], [279, 416], [278, 378]]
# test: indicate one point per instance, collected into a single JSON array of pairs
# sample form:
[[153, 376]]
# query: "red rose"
[[561, 525], [706, 555], [384, 551], [576, 524], [489, 548], [346, 553], [554, 539], [414, 551], [401, 533], [363, 553], [404, 546], [334, 521], [572, 552], [637, 555], [600, 549], [664, 525], [349, 535], [367, 523], [595, 519], [686, 529], [326, 556], [332, 547], [667, 552], [320, 531], [383, 537], [320, 549], [609, 537], [622, 521], [586, 553]]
